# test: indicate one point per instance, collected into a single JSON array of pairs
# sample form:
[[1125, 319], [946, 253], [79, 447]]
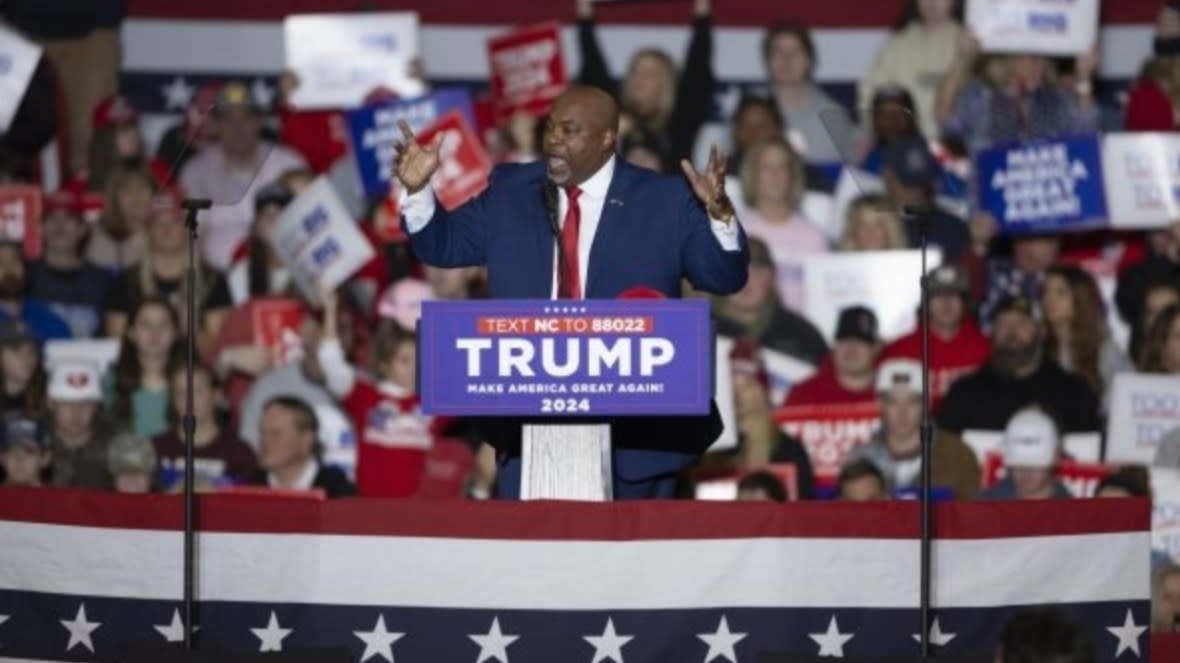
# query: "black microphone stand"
[[920, 216], [191, 206]]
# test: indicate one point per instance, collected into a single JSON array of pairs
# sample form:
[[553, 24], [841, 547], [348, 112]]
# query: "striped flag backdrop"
[[83, 575]]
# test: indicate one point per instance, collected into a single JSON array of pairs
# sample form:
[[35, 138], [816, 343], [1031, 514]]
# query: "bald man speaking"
[[583, 224]]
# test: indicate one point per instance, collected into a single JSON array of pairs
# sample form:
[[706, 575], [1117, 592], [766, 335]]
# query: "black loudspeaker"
[[177, 654]]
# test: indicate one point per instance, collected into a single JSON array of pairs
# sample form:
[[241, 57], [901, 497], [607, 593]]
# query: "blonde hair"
[[878, 205], [667, 98], [749, 172]]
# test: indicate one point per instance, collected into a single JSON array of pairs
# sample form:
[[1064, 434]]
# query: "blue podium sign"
[[587, 358]]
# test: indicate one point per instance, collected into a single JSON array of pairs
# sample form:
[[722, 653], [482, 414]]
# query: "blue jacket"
[[653, 232]]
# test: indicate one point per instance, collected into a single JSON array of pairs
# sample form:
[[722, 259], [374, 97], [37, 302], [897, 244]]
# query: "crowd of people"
[[1019, 337]]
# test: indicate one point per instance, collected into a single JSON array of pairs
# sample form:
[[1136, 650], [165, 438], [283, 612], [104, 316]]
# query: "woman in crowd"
[[117, 142], [261, 272], [872, 225], [915, 57], [1013, 98], [117, 240], [1161, 348], [22, 377], [772, 186], [1077, 337], [220, 457], [161, 273], [138, 391], [1154, 102], [1158, 296], [668, 106], [789, 54]]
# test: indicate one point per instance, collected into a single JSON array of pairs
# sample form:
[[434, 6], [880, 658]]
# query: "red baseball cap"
[[114, 111], [91, 206], [62, 200]]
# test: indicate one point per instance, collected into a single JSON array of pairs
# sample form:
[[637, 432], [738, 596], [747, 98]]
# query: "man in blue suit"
[[581, 223]]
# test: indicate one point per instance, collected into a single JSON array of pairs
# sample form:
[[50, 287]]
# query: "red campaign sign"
[[20, 217], [829, 432], [1081, 479], [276, 326], [528, 70], [463, 166]]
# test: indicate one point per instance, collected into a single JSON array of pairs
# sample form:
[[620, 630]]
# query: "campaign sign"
[[318, 240], [1043, 186], [829, 432], [463, 164], [373, 131], [20, 217], [1142, 173], [586, 358], [528, 70], [1165, 511], [276, 322], [340, 58], [1143, 408], [18, 59], [1047, 27]]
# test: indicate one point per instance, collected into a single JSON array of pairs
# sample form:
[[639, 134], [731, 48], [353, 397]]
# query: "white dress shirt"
[[418, 209], [304, 481]]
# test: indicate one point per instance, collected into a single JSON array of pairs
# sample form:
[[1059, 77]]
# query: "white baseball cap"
[[75, 380], [1030, 440], [899, 373]]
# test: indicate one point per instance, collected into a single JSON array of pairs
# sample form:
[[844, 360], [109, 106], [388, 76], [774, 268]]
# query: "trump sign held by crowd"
[[577, 358]]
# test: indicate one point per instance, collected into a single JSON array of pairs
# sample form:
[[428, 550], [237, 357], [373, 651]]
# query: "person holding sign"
[[534, 225]]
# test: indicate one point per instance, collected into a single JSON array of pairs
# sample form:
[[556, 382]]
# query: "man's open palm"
[[415, 163]]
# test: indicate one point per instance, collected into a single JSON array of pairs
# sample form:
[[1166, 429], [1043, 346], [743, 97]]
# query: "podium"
[[567, 369]]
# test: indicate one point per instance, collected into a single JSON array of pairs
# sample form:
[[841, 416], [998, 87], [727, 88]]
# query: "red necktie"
[[569, 285]]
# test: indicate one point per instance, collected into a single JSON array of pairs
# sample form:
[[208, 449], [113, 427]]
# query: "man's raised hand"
[[709, 186], [415, 163]]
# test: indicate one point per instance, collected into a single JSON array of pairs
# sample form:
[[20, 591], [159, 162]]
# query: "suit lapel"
[[540, 285], [610, 225]]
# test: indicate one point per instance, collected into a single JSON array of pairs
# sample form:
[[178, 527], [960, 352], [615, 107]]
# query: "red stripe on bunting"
[[576, 521], [756, 13]]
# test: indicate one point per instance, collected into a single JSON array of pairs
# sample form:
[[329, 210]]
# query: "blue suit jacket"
[[653, 232]]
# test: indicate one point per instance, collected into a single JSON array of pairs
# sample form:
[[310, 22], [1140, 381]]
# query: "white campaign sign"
[[1048, 27], [18, 59], [1142, 409], [340, 58], [1165, 511], [723, 395], [1142, 173], [318, 240], [884, 281], [101, 351]]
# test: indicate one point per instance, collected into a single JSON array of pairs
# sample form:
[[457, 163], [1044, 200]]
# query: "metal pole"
[[927, 440], [188, 420]]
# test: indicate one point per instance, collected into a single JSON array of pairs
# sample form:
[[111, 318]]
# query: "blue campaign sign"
[[373, 131], [565, 358], [1043, 186]]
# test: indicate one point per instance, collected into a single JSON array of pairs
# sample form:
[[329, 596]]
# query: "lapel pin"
[[615, 201]]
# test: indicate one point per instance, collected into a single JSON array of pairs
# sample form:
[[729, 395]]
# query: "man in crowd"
[[756, 312], [80, 434], [861, 481], [761, 486], [911, 179], [848, 376], [132, 462], [24, 452], [1032, 448], [1022, 274], [290, 451], [957, 346], [73, 288], [1017, 376], [1165, 604], [230, 172], [14, 305], [896, 448]]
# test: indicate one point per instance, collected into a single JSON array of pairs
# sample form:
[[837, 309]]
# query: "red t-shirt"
[[824, 389], [321, 136], [394, 438], [950, 358]]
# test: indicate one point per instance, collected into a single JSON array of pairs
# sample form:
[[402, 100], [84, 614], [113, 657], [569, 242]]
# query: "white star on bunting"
[[272, 635], [609, 645], [832, 641], [1128, 635], [379, 641], [493, 645], [80, 629], [173, 632], [722, 642], [177, 94], [937, 637]]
